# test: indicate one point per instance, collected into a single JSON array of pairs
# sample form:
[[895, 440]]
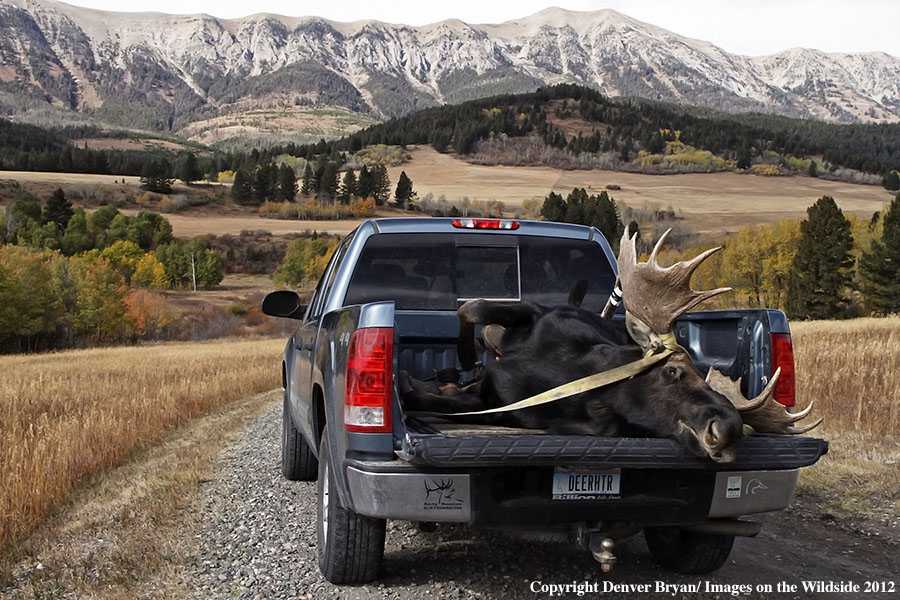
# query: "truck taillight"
[[485, 224], [783, 356], [367, 398]]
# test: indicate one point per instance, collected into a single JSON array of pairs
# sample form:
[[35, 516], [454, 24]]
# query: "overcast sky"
[[752, 27]]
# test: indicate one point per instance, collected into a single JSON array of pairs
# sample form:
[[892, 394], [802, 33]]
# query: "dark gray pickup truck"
[[387, 303]]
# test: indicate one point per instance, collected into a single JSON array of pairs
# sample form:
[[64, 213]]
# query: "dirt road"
[[258, 541]]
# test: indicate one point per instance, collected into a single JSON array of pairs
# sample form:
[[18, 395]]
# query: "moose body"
[[539, 348]]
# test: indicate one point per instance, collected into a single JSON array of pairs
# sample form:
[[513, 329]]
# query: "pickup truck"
[[387, 303]]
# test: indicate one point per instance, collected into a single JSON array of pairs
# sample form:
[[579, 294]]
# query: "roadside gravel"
[[258, 536], [256, 539]]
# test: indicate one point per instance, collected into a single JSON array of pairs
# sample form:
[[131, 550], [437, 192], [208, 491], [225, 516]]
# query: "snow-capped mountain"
[[165, 71]]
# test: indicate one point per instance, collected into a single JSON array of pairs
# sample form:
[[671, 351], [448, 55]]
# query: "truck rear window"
[[439, 272]]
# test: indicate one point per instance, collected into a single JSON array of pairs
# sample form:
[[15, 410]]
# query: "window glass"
[[438, 272], [327, 280]]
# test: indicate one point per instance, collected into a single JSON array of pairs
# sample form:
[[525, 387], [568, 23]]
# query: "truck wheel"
[[297, 460], [688, 552], [350, 546]]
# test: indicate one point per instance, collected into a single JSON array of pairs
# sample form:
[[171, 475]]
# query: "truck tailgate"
[[757, 452]]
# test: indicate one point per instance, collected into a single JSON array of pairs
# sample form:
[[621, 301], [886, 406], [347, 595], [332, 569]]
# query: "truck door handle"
[[308, 346]]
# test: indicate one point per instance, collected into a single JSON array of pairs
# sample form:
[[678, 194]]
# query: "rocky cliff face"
[[166, 71]]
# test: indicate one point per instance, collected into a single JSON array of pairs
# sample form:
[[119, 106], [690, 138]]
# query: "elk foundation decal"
[[440, 494]]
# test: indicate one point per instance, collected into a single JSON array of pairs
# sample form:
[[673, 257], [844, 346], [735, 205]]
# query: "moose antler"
[[655, 296], [762, 413]]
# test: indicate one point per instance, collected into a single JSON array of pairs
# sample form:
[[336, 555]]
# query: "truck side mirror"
[[283, 303]]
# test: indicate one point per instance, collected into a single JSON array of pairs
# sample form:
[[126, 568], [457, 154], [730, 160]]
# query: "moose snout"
[[720, 440]]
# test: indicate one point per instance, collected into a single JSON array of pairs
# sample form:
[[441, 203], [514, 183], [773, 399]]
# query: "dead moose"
[[539, 348]]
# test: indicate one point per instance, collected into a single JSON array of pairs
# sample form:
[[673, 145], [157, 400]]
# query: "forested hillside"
[[631, 134]]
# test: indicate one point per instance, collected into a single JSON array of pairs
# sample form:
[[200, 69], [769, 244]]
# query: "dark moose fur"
[[544, 347]]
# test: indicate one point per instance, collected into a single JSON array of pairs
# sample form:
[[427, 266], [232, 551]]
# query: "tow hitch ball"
[[601, 549]]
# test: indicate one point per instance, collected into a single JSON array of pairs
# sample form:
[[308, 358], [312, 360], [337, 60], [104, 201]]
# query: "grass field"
[[852, 371], [65, 416], [709, 203]]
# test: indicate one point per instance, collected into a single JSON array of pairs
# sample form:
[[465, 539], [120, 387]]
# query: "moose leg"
[[507, 314], [487, 312]]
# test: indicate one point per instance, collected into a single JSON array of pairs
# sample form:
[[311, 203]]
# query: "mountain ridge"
[[164, 71]]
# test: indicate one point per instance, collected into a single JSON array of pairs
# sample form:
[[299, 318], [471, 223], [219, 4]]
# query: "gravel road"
[[257, 540]]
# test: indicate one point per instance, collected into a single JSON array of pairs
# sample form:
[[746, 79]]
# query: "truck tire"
[[297, 460], [350, 545], [688, 552]]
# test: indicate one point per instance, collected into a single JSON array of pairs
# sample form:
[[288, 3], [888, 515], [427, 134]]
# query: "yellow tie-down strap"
[[585, 384]]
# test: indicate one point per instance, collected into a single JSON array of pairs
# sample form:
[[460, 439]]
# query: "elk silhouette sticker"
[[440, 494]]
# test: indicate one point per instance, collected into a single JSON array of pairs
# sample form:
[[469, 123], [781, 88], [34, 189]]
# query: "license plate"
[[586, 484]]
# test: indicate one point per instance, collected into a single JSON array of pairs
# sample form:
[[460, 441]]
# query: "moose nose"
[[717, 444], [712, 433]]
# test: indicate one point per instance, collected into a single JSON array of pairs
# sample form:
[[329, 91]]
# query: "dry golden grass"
[[852, 371], [64, 416], [710, 203], [129, 532]]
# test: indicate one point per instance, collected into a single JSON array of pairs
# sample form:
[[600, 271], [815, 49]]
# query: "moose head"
[[707, 416]]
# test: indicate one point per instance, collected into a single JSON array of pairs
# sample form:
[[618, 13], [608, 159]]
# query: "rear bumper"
[[520, 497]]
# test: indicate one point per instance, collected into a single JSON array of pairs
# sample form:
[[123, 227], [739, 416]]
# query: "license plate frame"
[[584, 483]]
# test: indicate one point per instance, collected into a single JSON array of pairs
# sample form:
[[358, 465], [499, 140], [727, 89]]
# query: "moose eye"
[[671, 372]]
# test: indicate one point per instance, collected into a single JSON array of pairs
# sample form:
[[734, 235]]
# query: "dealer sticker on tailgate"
[[585, 484]]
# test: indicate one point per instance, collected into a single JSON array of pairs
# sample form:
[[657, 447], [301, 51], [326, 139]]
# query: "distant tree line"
[[265, 183], [68, 277], [327, 189]]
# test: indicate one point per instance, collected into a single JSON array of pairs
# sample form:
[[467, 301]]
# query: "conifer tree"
[[575, 202], [879, 268], [601, 212], [348, 187], [58, 210], [287, 184], [156, 176], [242, 188], [404, 191], [306, 188], [327, 187], [365, 185], [381, 184], [189, 170], [821, 273], [553, 208]]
